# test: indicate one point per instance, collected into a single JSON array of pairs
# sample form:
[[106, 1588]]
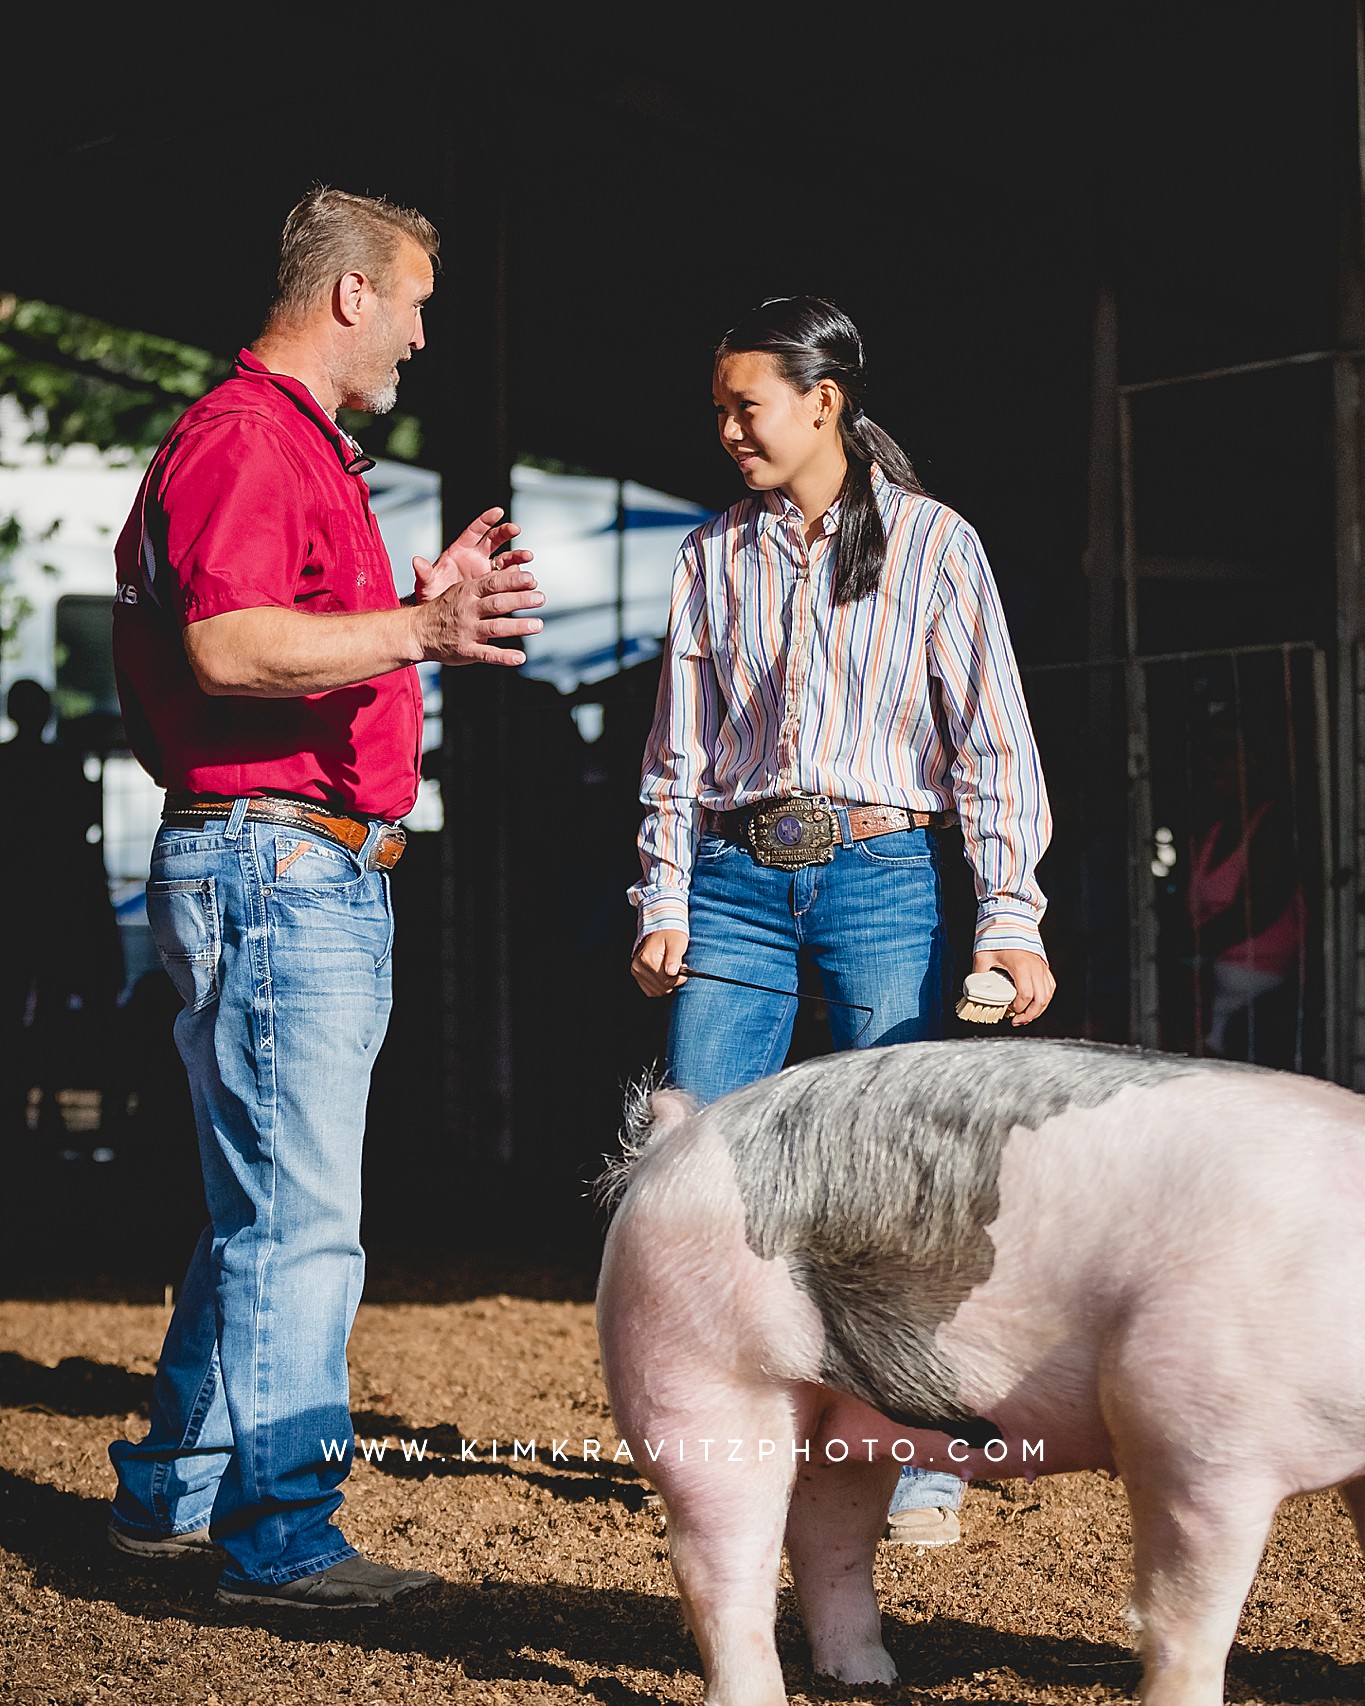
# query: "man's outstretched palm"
[[469, 557]]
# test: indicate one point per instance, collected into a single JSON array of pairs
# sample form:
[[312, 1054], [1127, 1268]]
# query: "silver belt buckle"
[[788, 833], [388, 848]]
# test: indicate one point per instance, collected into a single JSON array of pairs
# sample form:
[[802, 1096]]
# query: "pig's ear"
[[668, 1108], [649, 1113], [651, 1109]]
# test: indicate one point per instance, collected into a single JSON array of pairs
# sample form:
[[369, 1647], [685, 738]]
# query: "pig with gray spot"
[[1067, 1255]]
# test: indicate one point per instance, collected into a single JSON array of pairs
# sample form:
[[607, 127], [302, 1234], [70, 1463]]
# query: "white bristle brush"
[[986, 997]]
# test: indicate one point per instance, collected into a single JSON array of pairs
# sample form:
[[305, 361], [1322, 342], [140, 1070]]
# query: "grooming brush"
[[986, 997]]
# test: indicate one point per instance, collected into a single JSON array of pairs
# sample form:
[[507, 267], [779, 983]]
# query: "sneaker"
[[198, 1543], [931, 1525], [355, 1584]]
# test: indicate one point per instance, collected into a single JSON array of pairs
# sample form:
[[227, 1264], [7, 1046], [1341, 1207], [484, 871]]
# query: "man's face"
[[389, 332]]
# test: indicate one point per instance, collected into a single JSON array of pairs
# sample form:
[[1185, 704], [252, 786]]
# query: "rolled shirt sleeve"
[[677, 763], [997, 776]]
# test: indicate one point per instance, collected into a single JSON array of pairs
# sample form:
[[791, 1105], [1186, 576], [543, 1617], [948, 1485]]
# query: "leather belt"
[[192, 810], [806, 825]]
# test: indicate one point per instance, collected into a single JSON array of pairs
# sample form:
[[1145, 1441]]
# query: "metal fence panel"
[[1188, 876]]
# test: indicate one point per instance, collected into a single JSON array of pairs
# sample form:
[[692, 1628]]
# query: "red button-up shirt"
[[248, 504]]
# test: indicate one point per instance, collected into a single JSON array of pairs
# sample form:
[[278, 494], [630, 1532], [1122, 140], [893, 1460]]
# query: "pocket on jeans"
[[711, 846], [303, 863], [897, 847], [184, 922]]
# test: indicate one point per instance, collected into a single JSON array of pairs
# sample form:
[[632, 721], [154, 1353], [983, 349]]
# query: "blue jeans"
[[926, 1489], [871, 921], [279, 946]]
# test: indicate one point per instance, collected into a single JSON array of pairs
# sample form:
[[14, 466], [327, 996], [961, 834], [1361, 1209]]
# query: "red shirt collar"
[[249, 366]]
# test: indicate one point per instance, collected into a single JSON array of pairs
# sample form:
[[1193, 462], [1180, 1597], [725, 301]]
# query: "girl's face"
[[767, 425]]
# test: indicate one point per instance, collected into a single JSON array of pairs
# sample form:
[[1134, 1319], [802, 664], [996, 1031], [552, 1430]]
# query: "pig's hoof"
[[871, 1664]]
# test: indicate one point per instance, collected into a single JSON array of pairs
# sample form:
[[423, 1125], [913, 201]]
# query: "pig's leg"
[[1198, 1533], [1353, 1493], [725, 1522], [837, 1516]]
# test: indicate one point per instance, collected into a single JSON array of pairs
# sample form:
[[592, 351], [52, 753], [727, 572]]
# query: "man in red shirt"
[[265, 668]]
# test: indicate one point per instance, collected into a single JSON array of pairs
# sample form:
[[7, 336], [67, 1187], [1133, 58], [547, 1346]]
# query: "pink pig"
[[1067, 1255]]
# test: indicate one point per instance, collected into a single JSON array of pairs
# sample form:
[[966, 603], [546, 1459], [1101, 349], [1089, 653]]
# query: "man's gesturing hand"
[[470, 557], [460, 625]]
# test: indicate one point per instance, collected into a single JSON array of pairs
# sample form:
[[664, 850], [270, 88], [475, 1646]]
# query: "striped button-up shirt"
[[907, 698]]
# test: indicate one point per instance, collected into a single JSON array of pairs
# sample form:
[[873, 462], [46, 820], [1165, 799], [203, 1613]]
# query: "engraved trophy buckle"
[[800, 829]]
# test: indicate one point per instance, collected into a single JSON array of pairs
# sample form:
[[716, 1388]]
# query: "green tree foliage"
[[78, 380], [81, 381]]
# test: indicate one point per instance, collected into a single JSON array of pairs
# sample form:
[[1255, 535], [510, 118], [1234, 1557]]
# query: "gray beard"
[[378, 402]]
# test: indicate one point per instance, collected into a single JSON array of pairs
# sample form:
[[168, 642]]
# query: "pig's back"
[[903, 1188]]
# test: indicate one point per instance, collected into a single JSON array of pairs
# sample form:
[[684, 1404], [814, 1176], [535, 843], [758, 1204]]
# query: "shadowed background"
[[1024, 210]]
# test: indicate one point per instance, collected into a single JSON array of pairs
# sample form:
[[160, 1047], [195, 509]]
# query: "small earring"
[[820, 420]]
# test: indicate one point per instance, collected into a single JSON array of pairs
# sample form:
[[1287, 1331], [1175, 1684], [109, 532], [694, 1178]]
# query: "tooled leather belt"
[[801, 829], [192, 810]]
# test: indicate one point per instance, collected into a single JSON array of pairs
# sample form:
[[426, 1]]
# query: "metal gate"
[[1190, 871]]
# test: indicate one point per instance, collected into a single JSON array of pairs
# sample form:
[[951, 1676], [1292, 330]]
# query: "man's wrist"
[[413, 633]]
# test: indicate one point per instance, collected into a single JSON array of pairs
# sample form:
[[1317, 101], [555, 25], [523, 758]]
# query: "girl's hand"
[[1034, 984], [657, 964]]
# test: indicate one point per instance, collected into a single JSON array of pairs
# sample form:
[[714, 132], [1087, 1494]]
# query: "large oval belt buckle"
[[788, 833]]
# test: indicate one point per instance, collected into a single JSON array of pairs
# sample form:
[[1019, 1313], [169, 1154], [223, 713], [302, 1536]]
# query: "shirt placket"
[[798, 663]]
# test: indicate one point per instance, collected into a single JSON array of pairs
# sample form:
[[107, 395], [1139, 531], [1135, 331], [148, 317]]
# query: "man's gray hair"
[[331, 232]]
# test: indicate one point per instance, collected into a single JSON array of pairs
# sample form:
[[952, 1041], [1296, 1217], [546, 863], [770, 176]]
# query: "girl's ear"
[[831, 400]]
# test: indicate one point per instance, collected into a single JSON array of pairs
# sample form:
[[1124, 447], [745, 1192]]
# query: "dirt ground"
[[558, 1586]]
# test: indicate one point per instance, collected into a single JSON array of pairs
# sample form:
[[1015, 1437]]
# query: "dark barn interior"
[[1107, 263]]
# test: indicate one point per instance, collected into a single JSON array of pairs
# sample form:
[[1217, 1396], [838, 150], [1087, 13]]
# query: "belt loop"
[[236, 818], [845, 833]]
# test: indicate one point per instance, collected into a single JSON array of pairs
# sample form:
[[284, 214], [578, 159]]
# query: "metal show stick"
[[767, 989]]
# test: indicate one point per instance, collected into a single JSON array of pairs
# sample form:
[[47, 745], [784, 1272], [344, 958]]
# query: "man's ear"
[[353, 290]]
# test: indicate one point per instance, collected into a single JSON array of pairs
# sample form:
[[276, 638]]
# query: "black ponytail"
[[811, 340]]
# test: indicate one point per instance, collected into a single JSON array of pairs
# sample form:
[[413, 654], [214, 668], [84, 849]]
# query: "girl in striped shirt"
[[837, 684]]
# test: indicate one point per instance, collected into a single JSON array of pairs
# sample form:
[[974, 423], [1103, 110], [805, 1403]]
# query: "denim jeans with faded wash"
[[872, 924], [279, 945]]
